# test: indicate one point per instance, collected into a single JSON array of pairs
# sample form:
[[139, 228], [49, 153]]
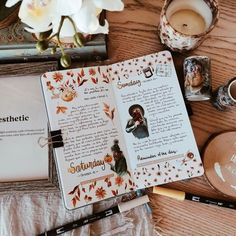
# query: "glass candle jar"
[[185, 23]]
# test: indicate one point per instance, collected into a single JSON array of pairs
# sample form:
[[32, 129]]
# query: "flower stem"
[[72, 22], [57, 35]]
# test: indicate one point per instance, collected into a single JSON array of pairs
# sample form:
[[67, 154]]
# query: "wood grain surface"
[[133, 33]]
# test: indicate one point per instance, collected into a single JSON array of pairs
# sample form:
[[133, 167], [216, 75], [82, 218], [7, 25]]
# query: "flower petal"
[[67, 29], [37, 30], [11, 3], [110, 5], [37, 14], [68, 8], [86, 18], [102, 29]]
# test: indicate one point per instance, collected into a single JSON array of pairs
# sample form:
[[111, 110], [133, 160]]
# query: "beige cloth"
[[32, 214]]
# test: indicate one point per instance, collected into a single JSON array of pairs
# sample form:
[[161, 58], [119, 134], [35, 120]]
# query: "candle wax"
[[188, 22]]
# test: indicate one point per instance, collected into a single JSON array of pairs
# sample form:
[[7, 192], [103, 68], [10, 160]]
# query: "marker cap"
[[176, 194]]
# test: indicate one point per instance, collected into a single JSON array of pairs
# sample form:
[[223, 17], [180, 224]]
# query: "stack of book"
[[18, 45]]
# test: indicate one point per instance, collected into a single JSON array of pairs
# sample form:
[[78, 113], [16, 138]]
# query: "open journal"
[[124, 127]]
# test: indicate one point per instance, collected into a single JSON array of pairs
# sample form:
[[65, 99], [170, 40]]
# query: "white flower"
[[42, 15]]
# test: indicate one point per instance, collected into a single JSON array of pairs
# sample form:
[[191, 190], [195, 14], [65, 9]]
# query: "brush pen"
[[121, 207], [180, 195]]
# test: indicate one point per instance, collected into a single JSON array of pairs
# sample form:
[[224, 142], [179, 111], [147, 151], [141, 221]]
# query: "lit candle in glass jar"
[[184, 23]]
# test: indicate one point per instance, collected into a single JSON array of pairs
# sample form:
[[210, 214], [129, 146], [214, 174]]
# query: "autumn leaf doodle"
[[92, 72], [109, 112], [80, 78], [76, 193], [61, 109], [105, 78], [81, 74], [114, 192], [49, 86], [95, 80]]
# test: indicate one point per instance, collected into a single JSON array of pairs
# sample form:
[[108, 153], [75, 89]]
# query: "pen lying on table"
[[180, 195], [121, 207]]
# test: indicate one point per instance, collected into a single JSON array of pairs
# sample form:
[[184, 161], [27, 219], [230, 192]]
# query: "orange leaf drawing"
[[61, 109], [70, 73], [112, 113], [49, 85], [95, 80], [91, 186], [105, 78], [78, 192], [109, 113], [114, 192], [73, 191], [81, 74], [109, 184], [74, 201], [92, 72], [87, 198], [106, 107], [82, 82]]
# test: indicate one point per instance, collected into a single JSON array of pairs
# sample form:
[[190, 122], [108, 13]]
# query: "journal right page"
[[155, 124]]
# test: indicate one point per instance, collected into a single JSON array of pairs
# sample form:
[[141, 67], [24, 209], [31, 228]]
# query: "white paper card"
[[23, 120]]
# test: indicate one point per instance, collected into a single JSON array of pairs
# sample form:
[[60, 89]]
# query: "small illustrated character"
[[193, 76], [120, 166], [138, 124], [68, 93]]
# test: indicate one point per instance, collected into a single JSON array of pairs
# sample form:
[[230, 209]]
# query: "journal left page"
[[92, 165], [23, 120]]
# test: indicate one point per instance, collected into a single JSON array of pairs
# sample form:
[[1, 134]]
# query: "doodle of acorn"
[[67, 93], [108, 158]]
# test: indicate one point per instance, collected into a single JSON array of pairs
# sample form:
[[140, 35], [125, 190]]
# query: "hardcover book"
[[124, 127]]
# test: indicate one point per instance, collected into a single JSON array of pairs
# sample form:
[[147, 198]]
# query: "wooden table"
[[133, 33]]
